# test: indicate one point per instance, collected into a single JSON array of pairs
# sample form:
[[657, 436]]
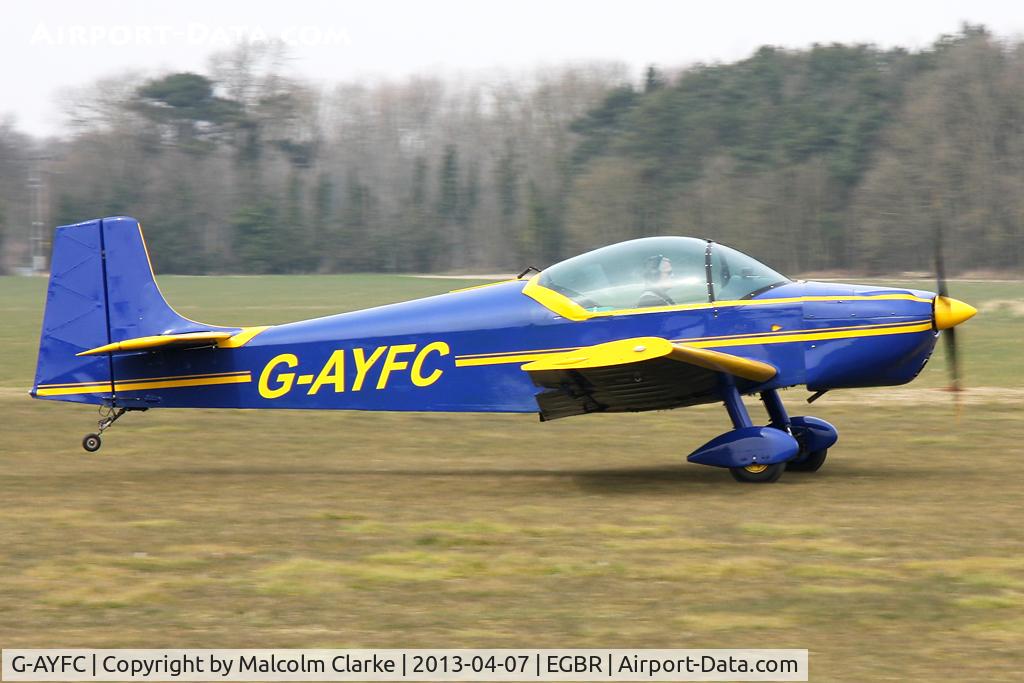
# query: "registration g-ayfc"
[[649, 324]]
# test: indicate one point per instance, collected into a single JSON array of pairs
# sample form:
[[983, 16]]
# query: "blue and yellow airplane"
[[649, 324]]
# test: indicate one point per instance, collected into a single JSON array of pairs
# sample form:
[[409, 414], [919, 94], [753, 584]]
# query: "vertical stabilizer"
[[101, 290]]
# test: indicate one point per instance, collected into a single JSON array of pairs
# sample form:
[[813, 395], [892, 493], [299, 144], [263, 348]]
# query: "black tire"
[[758, 474], [92, 442], [811, 462]]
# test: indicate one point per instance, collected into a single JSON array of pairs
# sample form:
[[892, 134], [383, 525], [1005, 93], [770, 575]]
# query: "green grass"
[[902, 559]]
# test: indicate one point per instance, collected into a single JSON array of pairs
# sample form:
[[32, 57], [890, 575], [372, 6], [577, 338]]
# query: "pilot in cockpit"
[[657, 281]]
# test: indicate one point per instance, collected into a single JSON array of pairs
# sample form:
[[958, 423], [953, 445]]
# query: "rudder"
[[101, 290]]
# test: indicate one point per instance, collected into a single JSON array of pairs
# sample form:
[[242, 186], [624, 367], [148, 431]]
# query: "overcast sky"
[[50, 44]]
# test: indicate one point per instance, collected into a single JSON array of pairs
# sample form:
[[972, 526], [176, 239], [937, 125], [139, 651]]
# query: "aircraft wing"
[[629, 375]]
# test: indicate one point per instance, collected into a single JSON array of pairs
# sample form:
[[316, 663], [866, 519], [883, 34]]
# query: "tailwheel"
[[757, 473], [108, 416], [811, 462]]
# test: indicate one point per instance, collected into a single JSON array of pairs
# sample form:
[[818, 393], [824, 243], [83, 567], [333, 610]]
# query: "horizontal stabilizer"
[[157, 341], [178, 341]]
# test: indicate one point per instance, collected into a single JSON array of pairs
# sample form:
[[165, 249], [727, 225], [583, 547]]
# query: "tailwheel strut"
[[108, 416]]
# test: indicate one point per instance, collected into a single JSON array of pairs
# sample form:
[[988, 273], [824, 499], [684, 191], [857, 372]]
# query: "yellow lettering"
[[285, 378], [417, 365], [333, 372], [363, 364], [390, 364]]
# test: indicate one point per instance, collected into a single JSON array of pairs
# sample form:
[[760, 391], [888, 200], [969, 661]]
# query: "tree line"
[[844, 157]]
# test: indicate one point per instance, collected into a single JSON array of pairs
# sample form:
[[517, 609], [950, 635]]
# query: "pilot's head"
[[658, 271]]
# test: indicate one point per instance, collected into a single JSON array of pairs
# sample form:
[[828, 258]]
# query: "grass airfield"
[[902, 559]]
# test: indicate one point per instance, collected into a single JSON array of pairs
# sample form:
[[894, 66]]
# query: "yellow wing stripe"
[[569, 309], [619, 352], [754, 370], [140, 384], [639, 349]]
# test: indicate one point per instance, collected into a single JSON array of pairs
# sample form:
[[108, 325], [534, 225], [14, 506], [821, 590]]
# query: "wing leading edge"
[[631, 375]]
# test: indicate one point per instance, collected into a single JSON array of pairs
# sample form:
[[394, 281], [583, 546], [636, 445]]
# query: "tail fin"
[[101, 291]]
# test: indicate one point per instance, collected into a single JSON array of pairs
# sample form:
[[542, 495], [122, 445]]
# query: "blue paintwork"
[[776, 410], [813, 433], [75, 317], [81, 313], [747, 446], [734, 402]]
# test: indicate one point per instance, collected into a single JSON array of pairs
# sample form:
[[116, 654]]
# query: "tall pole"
[[37, 246]]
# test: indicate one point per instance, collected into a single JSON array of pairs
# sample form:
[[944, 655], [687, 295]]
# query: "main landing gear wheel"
[[92, 442], [757, 473], [811, 462]]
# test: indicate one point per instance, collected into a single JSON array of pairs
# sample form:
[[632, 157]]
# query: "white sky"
[[47, 45]]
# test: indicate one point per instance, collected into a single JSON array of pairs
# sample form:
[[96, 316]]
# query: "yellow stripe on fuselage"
[[787, 333], [241, 338], [524, 357], [145, 379], [689, 340], [718, 342], [243, 377], [814, 336]]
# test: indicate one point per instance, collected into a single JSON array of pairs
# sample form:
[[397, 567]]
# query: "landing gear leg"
[[755, 472], [814, 435], [92, 442], [776, 411], [752, 454]]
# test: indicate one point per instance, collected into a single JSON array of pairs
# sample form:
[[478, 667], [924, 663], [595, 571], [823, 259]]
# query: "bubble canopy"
[[658, 271]]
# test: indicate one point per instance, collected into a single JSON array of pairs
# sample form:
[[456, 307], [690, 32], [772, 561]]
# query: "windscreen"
[[653, 271], [736, 276]]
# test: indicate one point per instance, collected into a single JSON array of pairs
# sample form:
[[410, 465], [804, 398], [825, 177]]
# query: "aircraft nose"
[[950, 312]]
